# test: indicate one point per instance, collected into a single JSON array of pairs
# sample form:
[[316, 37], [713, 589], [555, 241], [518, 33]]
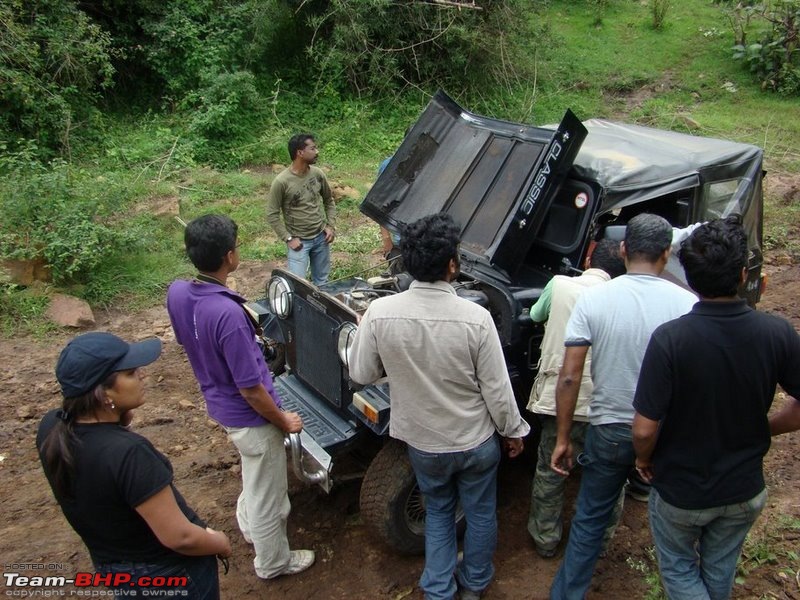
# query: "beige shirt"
[[564, 293], [449, 385]]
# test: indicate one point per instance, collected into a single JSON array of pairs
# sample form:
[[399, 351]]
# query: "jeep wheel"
[[391, 502]]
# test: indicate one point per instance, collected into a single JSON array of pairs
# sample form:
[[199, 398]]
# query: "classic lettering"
[[542, 176]]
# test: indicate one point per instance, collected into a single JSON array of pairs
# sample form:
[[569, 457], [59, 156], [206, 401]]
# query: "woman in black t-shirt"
[[114, 487]]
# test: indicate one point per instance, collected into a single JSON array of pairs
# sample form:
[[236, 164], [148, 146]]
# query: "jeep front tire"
[[391, 503]]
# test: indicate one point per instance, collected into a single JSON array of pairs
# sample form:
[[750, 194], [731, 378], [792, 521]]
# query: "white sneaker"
[[299, 561]]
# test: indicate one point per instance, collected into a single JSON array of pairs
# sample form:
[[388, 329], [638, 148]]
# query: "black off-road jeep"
[[530, 202]]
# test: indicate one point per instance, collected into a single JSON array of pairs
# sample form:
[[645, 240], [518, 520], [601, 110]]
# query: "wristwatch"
[[289, 238]]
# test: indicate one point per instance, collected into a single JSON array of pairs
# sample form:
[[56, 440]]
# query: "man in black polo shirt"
[[701, 429]]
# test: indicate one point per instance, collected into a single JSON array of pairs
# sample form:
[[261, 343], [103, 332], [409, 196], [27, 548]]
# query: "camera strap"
[[251, 315]]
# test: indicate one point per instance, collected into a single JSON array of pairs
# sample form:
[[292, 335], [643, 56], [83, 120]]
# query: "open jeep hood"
[[495, 178]]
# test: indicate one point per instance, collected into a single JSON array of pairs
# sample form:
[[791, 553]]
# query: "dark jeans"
[[200, 571]]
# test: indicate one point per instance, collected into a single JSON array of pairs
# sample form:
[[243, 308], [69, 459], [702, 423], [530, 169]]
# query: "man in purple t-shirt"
[[210, 322]]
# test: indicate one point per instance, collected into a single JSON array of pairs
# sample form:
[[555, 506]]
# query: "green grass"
[[759, 550], [353, 265], [135, 281], [358, 240], [648, 568], [22, 311], [771, 548], [684, 70]]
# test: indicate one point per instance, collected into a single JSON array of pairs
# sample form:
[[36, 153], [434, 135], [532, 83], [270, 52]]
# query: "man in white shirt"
[[450, 395]]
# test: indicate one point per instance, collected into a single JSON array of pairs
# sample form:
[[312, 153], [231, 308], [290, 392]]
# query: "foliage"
[[376, 47], [599, 8], [355, 265], [188, 44], [770, 547], [359, 240], [775, 58], [623, 70], [758, 550], [44, 217], [58, 56], [228, 116], [193, 41], [136, 279], [659, 9], [740, 15], [53, 63]]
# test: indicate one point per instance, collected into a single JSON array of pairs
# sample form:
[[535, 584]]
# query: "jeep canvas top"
[[684, 178]]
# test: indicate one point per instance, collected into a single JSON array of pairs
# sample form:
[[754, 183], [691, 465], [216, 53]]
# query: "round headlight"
[[347, 334], [280, 296]]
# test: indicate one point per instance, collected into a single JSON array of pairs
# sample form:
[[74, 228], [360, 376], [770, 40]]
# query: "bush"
[[53, 63], [189, 44], [22, 309], [229, 114], [739, 15], [659, 9], [376, 47], [43, 217], [775, 58]]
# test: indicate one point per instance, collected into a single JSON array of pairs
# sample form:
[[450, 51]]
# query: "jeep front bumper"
[[310, 463]]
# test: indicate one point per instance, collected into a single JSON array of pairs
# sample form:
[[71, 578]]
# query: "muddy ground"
[[350, 563]]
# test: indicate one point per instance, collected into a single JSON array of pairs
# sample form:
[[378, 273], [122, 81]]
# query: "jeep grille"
[[317, 358]]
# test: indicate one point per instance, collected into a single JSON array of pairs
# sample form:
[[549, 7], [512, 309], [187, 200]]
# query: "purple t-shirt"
[[219, 339]]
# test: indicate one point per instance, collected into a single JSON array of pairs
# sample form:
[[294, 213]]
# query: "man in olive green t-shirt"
[[301, 210]]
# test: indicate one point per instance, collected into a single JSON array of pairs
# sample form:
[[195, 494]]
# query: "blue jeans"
[[606, 460], [444, 479], [698, 549], [201, 571], [316, 251]]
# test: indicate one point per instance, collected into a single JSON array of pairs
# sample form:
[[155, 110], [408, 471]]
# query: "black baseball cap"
[[88, 360]]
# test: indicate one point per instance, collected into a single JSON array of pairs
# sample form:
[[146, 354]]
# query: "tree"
[[53, 64], [379, 46]]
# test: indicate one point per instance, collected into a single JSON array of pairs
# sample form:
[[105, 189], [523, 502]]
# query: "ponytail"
[[57, 449]]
